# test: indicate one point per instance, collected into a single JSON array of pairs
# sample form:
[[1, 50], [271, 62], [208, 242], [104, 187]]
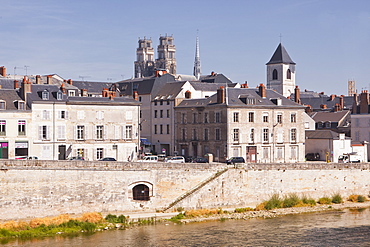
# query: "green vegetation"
[[291, 200], [357, 198], [324, 200], [336, 198], [114, 219], [243, 210]]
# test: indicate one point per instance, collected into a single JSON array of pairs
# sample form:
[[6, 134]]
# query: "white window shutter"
[[40, 132], [86, 133], [75, 132], [105, 131], [66, 114]]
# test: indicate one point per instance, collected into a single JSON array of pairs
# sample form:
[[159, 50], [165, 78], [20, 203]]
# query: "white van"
[[151, 158]]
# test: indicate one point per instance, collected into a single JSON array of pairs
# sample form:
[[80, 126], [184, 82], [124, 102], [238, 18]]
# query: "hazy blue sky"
[[328, 39]]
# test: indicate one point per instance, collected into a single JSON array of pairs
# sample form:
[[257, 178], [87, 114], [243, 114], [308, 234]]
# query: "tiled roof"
[[322, 134]]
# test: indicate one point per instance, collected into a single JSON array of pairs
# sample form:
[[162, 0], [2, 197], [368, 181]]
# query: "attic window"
[[328, 125], [188, 95], [59, 95], [45, 94], [248, 100], [21, 105], [276, 101], [136, 86], [2, 105]]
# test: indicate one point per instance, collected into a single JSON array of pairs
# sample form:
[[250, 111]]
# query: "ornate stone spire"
[[197, 70]]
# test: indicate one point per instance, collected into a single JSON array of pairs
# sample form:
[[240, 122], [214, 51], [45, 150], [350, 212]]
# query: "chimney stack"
[[341, 102], [221, 95], [105, 92], [38, 79], [135, 95], [63, 88], [70, 81], [48, 79], [84, 92], [245, 85], [297, 95], [364, 102], [336, 107], [355, 104], [16, 84], [322, 106], [3, 71], [262, 90], [308, 109], [26, 87], [332, 97]]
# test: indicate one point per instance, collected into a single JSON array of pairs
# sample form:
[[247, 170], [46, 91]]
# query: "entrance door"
[[62, 152], [251, 154]]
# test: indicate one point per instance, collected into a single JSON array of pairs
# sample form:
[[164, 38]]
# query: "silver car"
[[176, 159]]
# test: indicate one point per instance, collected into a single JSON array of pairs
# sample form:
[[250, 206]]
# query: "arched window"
[[188, 95], [288, 74], [45, 94], [274, 74], [141, 192]]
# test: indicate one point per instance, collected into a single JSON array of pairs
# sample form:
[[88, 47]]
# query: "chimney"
[[63, 89], [38, 79], [213, 73], [26, 87], [332, 97], [245, 85], [322, 106], [262, 90], [221, 95], [355, 104], [341, 102], [70, 81], [135, 95], [364, 102], [159, 73], [3, 71], [48, 79], [84, 92], [336, 107], [16, 84], [308, 109], [105, 92], [297, 95]]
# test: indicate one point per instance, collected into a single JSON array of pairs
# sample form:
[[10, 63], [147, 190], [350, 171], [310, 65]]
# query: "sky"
[[96, 40]]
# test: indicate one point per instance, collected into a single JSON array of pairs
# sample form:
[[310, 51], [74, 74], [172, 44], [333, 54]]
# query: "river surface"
[[335, 228]]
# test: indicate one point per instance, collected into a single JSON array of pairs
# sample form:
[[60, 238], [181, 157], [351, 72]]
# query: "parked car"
[[108, 159], [76, 158], [200, 160], [151, 158], [312, 156], [176, 159], [234, 160], [26, 158], [161, 157]]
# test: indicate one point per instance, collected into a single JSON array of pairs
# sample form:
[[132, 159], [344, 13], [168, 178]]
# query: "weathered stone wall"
[[47, 188]]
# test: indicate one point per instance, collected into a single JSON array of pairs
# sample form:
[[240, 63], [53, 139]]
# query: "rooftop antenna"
[[83, 77], [26, 68], [15, 68]]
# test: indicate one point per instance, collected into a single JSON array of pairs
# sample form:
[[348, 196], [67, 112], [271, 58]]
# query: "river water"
[[335, 228]]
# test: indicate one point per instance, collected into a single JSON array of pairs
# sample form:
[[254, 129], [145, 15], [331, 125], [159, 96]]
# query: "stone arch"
[[274, 74], [288, 74], [140, 191]]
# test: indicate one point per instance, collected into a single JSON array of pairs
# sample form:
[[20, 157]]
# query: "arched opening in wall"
[[288, 74], [140, 192], [188, 95], [274, 74]]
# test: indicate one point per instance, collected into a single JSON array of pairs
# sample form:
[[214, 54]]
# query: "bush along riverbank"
[[274, 207]]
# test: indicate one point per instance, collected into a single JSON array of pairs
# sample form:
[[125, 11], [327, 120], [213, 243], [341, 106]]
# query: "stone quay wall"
[[31, 189]]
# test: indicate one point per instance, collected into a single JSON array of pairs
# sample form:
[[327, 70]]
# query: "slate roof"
[[144, 86], [170, 90], [322, 134], [201, 86], [92, 87], [10, 96], [329, 116], [316, 102], [7, 83], [235, 95], [280, 56]]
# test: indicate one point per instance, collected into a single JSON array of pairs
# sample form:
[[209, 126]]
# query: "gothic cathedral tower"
[[281, 72], [166, 55], [144, 64]]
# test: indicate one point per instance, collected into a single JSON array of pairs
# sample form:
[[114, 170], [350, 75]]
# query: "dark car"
[[200, 160], [312, 156], [76, 158], [234, 160], [108, 159]]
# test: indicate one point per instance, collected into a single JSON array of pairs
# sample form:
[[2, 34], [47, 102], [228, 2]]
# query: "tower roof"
[[280, 56]]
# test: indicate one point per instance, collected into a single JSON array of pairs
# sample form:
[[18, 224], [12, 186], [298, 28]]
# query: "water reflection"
[[336, 228]]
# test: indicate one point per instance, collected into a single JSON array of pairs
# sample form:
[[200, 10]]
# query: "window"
[[161, 114], [100, 115], [288, 74], [161, 102], [80, 115], [236, 117], [45, 115], [71, 93], [80, 152], [279, 155], [293, 118], [129, 132], [155, 102], [251, 137], [168, 113], [2, 127], [251, 117], [140, 192], [183, 118], [194, 134], [63, 115], [218, 117], [161, 129], [61, 132], [265, 118], [183, 134], [155, 113], [45, 95], [99, 132], [218, 134], [274, 74], [168, 128], [279, 118], [21, 127], [206, 117], [265, 136], [206, 134], [99, 153], [293, 135], [21, 105], [320, 125], [168, 102], [194, 118], [328, 125], [293, 152], [2, 105], [139, 98], [44, 132], [155, 129], [236, 135], [80, 132], [265, 153]]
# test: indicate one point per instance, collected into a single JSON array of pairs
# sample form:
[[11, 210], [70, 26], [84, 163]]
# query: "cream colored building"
[[258, 124]]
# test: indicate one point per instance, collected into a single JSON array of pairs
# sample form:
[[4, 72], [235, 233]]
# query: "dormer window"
[[2, 105], [21, 105], [59, 95], [45, 95]]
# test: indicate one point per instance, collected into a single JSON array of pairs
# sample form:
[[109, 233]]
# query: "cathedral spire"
[[197, 70]]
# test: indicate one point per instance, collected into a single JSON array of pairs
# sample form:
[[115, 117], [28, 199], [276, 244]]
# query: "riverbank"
[[277, 212]]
